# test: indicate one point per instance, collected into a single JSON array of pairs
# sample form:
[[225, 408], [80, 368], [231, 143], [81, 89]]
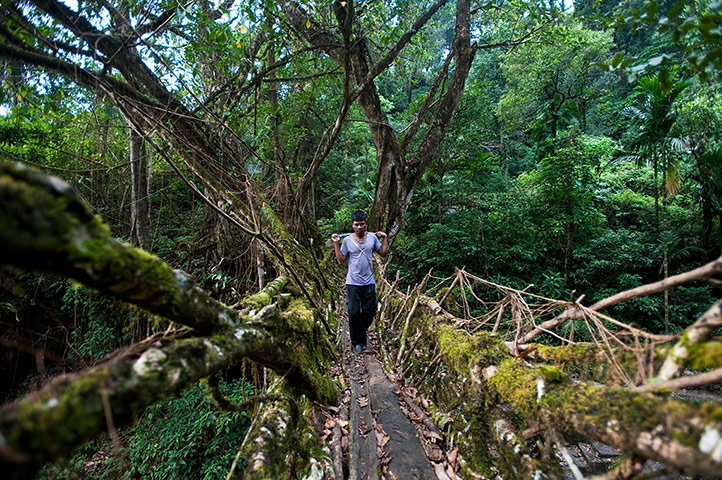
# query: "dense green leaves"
[[548, 84], [694, 27]]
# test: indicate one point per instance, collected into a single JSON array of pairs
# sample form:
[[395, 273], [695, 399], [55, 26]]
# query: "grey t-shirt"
[[360, 270]]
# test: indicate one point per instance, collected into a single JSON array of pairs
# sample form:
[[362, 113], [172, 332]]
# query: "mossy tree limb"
[[478, 374], [514, 452], [683, 435], [585, 361], [267, 295], [45, 226], [272, 433], [698, 332], [70, 410]]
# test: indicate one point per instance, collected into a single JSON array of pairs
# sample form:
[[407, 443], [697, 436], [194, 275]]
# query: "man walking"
[[360, 283]]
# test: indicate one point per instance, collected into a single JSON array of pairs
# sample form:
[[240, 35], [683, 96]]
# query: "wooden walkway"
[[383, 443]]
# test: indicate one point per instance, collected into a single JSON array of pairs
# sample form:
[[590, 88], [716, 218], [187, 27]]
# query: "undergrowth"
[[186, 437]]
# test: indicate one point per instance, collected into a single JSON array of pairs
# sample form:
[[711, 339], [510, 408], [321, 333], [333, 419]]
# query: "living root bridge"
[[44, 225]]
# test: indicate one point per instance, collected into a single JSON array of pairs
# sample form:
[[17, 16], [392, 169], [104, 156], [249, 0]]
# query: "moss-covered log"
[[685, 436], [45, 226], [73, 409], [284, 444], [490, 397]]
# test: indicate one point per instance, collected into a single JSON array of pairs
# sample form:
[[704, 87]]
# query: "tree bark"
[[398, 171], [139, 192], [701, 330], [71, 410]]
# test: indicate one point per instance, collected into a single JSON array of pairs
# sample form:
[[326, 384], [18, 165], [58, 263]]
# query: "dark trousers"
[[361, 301]]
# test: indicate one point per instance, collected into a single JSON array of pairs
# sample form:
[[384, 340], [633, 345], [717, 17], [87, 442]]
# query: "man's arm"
[[340, 257], [384, 248]]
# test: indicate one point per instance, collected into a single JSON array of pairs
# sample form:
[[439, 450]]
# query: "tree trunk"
[[282, 196], [398, 171], [711, 251], [139, 192], [665, 249]]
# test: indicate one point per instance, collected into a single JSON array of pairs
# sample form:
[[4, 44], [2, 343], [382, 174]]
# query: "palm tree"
[[652, 116]]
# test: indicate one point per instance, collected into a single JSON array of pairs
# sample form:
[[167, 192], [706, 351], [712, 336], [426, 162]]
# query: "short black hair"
[[358, 216]]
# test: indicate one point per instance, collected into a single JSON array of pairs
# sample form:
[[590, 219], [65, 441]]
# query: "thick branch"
[[45, 226], [707, 378], [351, 57], [464, 55], [683, 435], [266, 456], [70, 410], [698, 332], [118, 53], [391, 55], [394, 194], [428, 102]]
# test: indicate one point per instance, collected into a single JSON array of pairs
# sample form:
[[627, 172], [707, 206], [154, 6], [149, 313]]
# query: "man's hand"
[[384, 249], [340, 257]]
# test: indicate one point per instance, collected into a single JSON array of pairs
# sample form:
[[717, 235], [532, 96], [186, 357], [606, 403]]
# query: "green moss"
[[456, 346], [716, 413], [475, 443], [77, 407], [587, 405], [706, 355], [422, 322], [552, 374], [257, 301], [584, 361], [462, 351], [265, 296], [681, 437], [516, 384], [308, 444], [299, 317]]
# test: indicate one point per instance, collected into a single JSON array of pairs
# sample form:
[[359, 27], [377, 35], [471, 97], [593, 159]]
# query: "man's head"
[[358, 223]]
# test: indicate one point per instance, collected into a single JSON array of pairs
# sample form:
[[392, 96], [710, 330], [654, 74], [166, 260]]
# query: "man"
[[360, 283]]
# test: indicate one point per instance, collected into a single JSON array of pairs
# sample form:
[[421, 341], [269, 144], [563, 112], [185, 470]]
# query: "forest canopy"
[[570, 150]]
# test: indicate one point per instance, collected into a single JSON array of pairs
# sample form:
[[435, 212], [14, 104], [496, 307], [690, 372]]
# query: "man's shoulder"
[[349, 244]]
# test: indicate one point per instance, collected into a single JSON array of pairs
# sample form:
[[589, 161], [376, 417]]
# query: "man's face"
[[359, 227]]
